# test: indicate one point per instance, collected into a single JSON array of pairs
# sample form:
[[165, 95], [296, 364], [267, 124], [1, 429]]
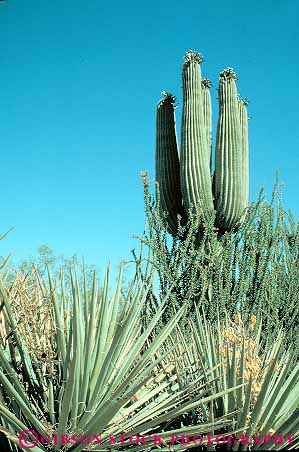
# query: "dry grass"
[[32, 309], [233, 337]]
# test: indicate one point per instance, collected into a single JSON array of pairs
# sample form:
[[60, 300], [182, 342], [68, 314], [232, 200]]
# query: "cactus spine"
[[186, 183]]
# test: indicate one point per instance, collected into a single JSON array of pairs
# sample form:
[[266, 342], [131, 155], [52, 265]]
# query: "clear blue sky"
[[79, 84]]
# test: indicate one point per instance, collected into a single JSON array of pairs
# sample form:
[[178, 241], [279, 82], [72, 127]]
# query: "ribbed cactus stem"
[[167, 163], [242, 103], [228, 164], [185, 183], [207, 113], [195, 151]]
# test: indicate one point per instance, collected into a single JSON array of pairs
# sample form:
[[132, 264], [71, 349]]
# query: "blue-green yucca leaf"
[[51, 408], [90, 337], [277, 398], [12, 376], [123, 337], [11, 419], [107, 315], [15, 440], [59, 324], [4, 265], [67, 398], [241, 378], [245, 410], [78, 339], [232, 381], [21, 346], [131, 363], [2, 236], [9, 388]]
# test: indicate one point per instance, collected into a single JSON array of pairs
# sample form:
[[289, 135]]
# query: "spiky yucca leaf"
[[4, 261]]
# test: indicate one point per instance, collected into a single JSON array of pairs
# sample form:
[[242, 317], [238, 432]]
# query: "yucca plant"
[[266, 404], [74, 363]]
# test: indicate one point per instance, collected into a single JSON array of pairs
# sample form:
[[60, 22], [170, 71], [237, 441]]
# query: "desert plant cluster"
[[200, 350]]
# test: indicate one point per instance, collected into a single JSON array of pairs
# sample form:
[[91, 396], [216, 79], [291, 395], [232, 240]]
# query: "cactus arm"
[[207, 114], [168, 165], [245, 158], [195, 155], [228, 165]]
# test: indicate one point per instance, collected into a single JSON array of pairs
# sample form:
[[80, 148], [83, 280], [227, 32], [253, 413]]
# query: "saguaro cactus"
[[228, 164], [195, 152], [185, 181], [167, 163]]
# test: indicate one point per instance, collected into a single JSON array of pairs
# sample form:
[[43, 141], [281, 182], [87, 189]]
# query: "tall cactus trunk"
[[207, 115], [195, 152], [228, 164], [245, 153], [168, 165]]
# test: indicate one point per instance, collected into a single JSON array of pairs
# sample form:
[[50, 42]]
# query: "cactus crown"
[[191, 56], [228, 74], [206, 82], [168, 99]]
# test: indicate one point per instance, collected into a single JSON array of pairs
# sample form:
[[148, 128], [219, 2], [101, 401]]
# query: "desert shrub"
[[252, 270]]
